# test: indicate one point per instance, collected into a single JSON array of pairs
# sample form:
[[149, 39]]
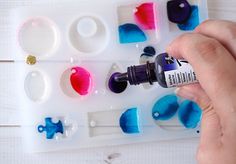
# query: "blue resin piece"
[[131, 33], [129, 121], [192, 22], [165, 108], [190, 114], [51, 128]]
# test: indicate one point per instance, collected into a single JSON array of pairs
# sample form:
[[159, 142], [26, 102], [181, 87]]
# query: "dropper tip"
[[123, 77]]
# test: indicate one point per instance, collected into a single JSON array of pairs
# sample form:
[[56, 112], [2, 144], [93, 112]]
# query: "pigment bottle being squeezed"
[[166, 70]]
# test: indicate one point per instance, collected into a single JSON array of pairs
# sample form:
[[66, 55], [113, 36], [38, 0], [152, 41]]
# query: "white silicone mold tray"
[[66, 56]]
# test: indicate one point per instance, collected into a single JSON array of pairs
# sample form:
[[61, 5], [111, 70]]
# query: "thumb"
[[210, 126]]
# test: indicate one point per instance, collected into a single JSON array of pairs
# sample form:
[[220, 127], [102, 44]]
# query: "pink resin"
[[145, 16], [81, 80]]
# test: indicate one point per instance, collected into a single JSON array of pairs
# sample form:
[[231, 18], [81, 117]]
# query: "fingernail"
[[184, 93]]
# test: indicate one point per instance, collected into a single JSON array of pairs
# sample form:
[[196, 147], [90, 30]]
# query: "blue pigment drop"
[[189, 114], [117, 87], [129, 121], [131, 33], [192, 22], [165, 108], [51, 128]]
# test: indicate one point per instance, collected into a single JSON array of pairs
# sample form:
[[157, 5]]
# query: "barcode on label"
[[180, 77]]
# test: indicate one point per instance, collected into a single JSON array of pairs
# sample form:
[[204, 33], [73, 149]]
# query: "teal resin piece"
[[51, 128], [192, 22], [131, 33], [190, 114], [129, 121], [165, 108]]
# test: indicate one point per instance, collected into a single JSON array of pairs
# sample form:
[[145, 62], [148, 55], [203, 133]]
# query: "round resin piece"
[[178, 11], [116, 87], [81, 80]]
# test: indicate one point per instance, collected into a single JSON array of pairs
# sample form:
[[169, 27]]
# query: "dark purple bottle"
[[166, 70]]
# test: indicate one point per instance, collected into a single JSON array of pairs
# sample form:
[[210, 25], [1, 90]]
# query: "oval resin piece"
[[36, 86], [81, 80], [189, 114], [165, 108]]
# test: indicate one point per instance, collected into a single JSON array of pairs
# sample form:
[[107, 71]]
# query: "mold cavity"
[[88, 34], [57, 128], [164, 113], [38, 36], [182, 13], [165, 108], [137, 23], [115, 122], [35, 86], [81, 80], [131, 33], [178, 11], [189, 114], [112, 85], [116, 87], [129, 121], [192, 22], [51, 128], [66, 84], [145, 16], [104, 123], [76, 82]]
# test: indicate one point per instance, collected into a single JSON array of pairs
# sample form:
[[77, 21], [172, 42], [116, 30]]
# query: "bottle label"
[[178, 72]]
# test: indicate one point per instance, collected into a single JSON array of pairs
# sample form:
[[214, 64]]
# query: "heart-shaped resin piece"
[[81, 80]]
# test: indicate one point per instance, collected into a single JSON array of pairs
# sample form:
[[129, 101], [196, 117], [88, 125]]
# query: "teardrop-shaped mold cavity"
[[89, 35], [38, 36], [66, 84], [36, 86], [112, 85]]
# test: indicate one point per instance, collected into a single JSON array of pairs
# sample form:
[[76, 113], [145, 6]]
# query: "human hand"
[[211, 50]]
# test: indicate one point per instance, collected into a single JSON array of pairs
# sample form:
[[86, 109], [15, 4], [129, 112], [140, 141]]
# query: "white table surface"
[[11, 147]]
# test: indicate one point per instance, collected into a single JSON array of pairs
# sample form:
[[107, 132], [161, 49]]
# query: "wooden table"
[[11, 147]]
